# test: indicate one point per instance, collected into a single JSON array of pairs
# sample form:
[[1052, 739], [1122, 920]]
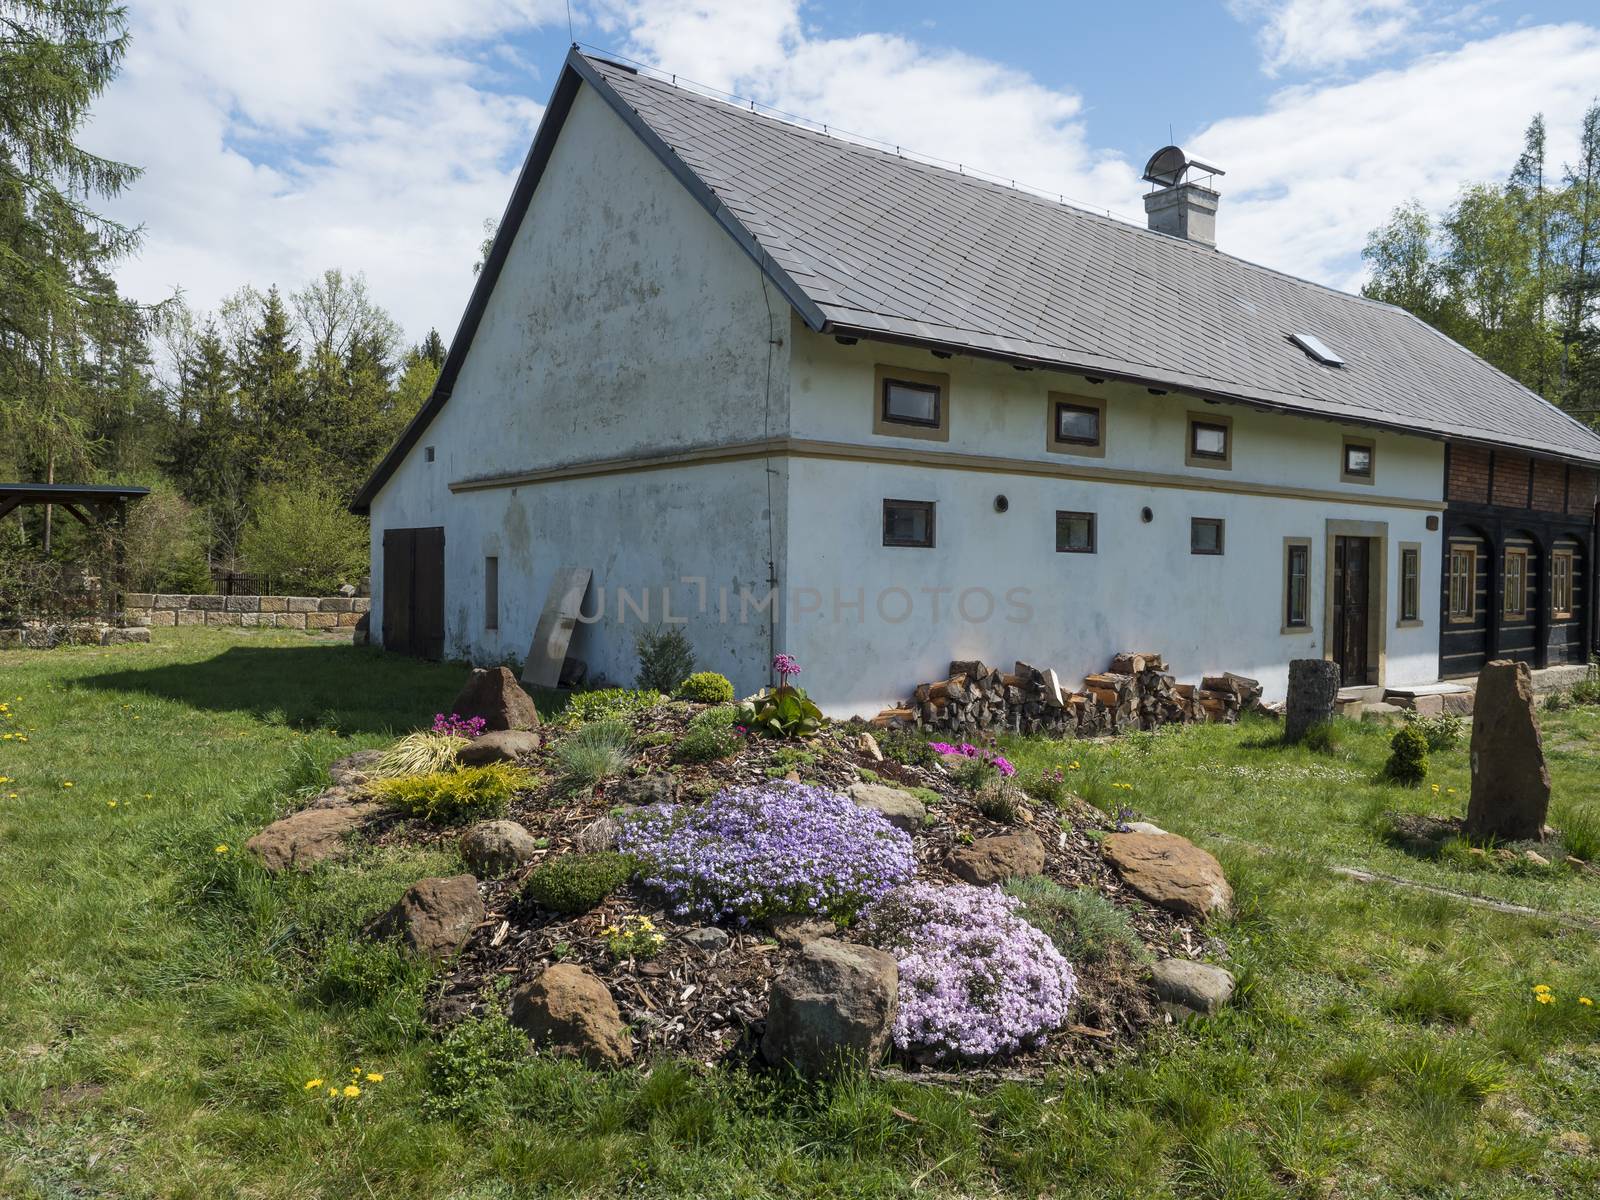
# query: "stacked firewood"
[[1136, 693]]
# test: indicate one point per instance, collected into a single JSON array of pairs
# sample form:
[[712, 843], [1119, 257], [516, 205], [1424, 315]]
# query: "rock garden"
[[689, 876]]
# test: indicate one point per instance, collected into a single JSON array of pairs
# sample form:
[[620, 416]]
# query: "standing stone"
[[494, 694], [1510, 782], [569, 1010], [1313, 690], [832, 1009]]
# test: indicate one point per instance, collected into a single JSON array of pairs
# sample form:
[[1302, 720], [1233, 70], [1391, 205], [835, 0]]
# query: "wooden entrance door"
[[1352, 581], [413, 591]]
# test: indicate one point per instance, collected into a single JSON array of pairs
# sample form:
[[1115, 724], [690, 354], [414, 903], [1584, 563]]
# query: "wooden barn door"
[[1352, 564], [413, 591]]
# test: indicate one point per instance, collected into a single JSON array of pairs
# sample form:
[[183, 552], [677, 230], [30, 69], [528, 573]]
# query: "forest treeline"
[[1510, 270]]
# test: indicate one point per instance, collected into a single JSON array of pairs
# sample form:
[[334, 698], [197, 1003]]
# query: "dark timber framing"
[[1494, 504]]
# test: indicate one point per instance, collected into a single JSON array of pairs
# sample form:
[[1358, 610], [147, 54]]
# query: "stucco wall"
[[625, 321], [1143, 589]]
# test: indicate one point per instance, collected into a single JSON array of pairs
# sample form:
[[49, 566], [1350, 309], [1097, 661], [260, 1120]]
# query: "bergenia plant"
[[458, 726], [787, 711]]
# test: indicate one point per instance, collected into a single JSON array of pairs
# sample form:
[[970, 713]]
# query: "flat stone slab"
[[900, 808], [1169, 871], [505, 745], [992, 860], [311, 835], [1195, 986]]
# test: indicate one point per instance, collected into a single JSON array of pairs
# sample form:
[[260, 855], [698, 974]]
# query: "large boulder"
[[1313, 692], [495, 848], [1191, 987], [435, 917], [832, 1009], [568, 1009], [901, 809], [1510, 782], [494, 694], [992, 860], [1169, 871], [312, 835], [504, 745]]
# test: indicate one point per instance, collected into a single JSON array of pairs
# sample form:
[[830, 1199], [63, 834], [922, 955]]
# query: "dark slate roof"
[[866, 242], [889, 246]]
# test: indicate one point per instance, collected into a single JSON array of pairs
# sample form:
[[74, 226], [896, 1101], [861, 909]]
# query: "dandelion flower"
[[374, 1076], [111, 803], [313, 1084], [1585, 1001], [1545, 998], [333, 1091], [222, 848], [1540, 988], [351, 1091], [66, 783]]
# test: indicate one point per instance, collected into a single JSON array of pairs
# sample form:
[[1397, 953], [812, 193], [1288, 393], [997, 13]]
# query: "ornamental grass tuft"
[[426, 752], [592, 752], [976, 980], [752, 853]]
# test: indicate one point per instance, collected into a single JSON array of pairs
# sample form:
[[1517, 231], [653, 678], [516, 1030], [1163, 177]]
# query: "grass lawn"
[[163, 1003]]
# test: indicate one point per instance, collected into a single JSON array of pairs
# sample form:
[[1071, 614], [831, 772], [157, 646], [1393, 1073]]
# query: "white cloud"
[[1311, 176], [278, 140], [1322, 34]]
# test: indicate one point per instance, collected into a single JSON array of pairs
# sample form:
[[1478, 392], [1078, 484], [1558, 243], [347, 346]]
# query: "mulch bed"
[[710, 1007]]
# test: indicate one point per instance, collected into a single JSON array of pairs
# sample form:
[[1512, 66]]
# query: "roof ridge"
[[792, 123]]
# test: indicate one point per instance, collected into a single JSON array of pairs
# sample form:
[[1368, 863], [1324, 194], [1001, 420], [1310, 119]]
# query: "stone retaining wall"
[[284, 612]]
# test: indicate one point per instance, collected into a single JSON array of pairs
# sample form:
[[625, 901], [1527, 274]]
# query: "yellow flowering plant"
[[633, 937]]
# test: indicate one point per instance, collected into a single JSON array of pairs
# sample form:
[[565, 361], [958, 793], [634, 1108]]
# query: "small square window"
[[906, 403], [911, 404], [1077, 424], [1210, 442], [1205, 535], [1074, 533], [908, 523], [427, 454], [1358, 465]]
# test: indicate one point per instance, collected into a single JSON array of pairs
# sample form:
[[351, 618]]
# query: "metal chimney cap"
[[1169, 166]]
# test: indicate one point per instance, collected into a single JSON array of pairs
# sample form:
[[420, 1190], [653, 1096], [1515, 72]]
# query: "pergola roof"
[[102, 499]]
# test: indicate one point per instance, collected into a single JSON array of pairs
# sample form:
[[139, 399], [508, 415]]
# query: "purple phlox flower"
[[750, 853], [976, 979]]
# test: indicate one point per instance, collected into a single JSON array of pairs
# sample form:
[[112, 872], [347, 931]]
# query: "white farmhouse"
[[797, 394]]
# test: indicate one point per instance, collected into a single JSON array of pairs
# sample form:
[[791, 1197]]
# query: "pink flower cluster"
[[458, 726], [967, 750], [785, 666], [976, 980]]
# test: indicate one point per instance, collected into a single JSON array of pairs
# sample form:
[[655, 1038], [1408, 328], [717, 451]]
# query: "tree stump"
[[1313, 691], [1510, 782]]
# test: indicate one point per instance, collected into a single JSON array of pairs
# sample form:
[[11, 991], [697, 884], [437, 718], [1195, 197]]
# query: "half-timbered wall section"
[[1518, 568]]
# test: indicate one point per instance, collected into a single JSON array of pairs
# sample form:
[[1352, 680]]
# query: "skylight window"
[[1317, 349]]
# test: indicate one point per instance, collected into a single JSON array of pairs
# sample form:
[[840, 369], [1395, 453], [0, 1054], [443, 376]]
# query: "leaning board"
[[554, 632]]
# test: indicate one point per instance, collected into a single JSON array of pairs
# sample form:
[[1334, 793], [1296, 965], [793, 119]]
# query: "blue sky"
[[376, 135]]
